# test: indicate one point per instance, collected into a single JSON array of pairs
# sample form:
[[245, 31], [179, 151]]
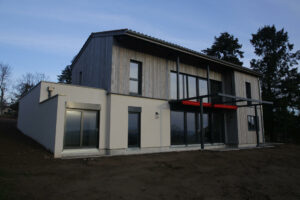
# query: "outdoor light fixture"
[[156, 115], [50, 90]]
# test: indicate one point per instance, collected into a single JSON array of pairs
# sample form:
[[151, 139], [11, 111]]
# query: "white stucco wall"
[[38, 120], [155, 132]]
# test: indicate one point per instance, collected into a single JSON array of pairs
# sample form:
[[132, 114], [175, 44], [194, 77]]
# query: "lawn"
[[28, 171]]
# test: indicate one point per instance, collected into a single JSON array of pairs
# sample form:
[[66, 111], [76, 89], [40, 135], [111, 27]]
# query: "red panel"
[[209, 105]]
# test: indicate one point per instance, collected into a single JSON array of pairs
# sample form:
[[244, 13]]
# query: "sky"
[[44, 36]]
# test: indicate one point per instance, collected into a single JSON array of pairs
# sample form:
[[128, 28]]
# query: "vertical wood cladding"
[[155, 72], [95, 64]]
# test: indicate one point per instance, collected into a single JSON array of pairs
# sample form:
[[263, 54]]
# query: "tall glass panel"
[[90, 129], [177, 128], [134, 70], [173, 85], [203, 88], [192, 89], [133, 129], [216, 87], [191, 128], [72, 129], [206, 135], [217, 132]]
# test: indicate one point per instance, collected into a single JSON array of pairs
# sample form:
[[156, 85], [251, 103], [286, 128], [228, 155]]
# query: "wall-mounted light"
[[50, 90], [156, 115]]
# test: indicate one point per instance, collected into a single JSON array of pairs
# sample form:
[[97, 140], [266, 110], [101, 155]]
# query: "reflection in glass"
[[90, 129], [192, 86], [177, 128], [72, 130], [191, 128], [133, 129], [133, 86], [173, 85], [134, 70], [203, 88], [217, 130]]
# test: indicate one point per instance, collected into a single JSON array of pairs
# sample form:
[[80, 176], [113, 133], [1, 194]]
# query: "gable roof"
[[163, 43]]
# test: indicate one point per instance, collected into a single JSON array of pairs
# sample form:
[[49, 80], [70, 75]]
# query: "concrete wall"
[[38, 120], [154, 132], [245, 136]]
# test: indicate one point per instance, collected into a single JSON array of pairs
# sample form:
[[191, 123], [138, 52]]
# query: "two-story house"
[[132, 93]]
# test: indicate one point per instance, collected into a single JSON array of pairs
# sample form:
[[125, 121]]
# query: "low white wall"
[[38, 120]]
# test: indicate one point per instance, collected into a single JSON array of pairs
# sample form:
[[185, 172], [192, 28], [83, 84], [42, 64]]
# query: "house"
[[132, 93]]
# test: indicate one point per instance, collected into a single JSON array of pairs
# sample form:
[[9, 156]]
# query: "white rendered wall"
[[38, 120]]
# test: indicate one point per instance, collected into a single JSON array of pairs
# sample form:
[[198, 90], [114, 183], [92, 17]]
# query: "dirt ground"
[[28, 171]]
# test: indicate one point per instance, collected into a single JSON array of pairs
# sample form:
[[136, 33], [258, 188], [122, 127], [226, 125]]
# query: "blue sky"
[[44, 36]]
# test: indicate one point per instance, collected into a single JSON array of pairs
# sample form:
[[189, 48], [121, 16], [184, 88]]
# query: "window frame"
[[81, 128], [135, 110], [138, 80], [248, 92], [250, 128]]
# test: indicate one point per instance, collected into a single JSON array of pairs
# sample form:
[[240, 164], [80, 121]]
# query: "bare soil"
[[28, 171]]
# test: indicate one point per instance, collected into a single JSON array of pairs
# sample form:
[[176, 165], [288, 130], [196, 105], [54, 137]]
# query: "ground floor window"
[[252, 123], [134, 126], [184, 126], [81, 129]]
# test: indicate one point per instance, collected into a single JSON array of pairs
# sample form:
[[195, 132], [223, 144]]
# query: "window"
[[216, 87], [248, 92], [80, 78], [177, 128], [192, 88], [202, 87], [192, 137], [187, 86], [81, 129], [135, 77], [134, 126], [252, 123]]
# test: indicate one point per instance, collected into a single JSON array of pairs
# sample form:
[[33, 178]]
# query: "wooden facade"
[[105, 62]]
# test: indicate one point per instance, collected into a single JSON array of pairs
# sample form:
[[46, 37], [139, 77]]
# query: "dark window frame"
[[138, 80], [248, 92], [185, 84], [252, 127], [138, 111], [81, 128]]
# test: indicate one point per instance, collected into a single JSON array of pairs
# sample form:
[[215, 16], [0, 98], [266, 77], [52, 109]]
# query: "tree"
[[27, 82], [5, 72], [227, 48], [280, 79], [66, 75]]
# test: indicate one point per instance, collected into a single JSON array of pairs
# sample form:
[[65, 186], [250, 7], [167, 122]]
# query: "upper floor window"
[[189, 86], [248, 92], [216, 87], [135, 77]]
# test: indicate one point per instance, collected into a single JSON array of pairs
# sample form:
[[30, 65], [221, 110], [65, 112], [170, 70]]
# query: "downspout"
[[261, 114]]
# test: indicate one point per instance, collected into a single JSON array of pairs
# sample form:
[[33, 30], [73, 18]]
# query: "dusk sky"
[[44, 36]]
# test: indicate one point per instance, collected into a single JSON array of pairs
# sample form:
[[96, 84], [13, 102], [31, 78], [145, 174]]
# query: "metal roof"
[[169, 45]]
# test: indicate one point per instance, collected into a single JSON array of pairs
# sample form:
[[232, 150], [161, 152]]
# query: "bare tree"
[[28, 81], [5, 72]]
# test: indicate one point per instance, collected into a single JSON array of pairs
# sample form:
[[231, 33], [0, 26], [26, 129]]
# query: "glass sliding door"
[[217, 130], [177, 128], [72, 128], [134, 129], [192, 137], [90, 129], [81, 129]]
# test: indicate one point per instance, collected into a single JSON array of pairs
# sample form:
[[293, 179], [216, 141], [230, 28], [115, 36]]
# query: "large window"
[[177, 128], [216, 87], [134, 127], [252, 123], [81, 129], [187, 86], [184, 127], [135, 77]]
